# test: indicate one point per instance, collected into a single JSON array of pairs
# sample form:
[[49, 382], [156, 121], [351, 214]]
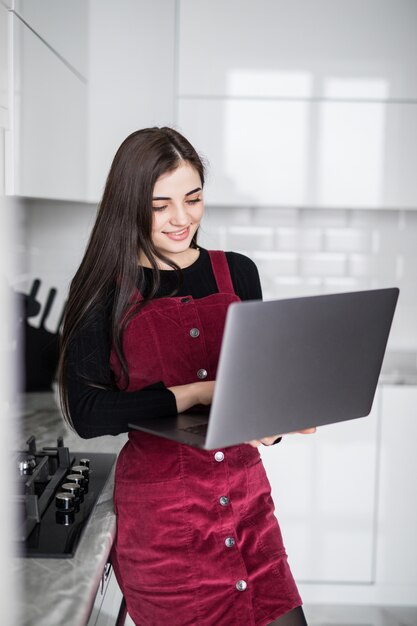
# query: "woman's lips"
[[178, 235]]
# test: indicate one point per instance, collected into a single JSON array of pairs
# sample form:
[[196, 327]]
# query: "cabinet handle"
[[104, 577]]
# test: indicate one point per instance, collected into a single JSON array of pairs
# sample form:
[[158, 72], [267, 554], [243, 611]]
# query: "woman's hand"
[[189, 395], [268, 441]]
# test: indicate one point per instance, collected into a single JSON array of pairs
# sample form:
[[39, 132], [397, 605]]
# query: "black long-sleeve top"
[[99, 411]]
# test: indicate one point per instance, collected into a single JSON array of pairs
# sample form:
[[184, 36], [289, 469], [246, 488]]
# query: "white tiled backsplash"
[[298, 251]]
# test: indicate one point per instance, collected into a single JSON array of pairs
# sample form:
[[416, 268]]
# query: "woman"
[[197, 541]]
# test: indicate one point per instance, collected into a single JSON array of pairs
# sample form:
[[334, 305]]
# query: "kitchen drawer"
[[107, 601]]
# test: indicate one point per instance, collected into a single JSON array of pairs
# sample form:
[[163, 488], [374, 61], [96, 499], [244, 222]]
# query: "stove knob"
[[65, 501], [80, 481], [85, 462], [80, 469], [75, 478], [64, 518], [71, 488], [75, 490]]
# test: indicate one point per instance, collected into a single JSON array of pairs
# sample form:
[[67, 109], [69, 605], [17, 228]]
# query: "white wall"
[[55, 234], [298, 251]]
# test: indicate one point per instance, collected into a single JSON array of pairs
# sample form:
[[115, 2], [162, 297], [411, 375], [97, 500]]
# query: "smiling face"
[[178, 207]]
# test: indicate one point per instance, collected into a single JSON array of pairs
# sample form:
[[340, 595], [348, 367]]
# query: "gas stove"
[[55, 493]]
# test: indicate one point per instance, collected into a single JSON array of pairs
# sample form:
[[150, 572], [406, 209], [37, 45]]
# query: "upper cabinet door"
[[62, 25], [48, 135], [304, 153], [132, 69], [299, 49], [302, 103], [4, 78]]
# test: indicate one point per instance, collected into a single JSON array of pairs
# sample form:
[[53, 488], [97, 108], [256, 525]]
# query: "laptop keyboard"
[[199, 429]]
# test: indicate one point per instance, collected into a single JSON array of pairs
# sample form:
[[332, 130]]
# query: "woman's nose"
[[179, 215]]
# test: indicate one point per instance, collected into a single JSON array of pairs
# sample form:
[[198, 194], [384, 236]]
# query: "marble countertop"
[[39, 415], [66, 587]]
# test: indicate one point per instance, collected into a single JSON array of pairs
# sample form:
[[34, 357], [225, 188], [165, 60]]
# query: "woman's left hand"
[[268, 441]]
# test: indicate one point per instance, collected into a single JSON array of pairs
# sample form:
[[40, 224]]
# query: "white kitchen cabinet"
[[302, 103], [132, 70], [304, 153], [324, 491], [347, 504], [298, 49], [397, 510], [48, 149], [66, 130], [62, 25], [4, 77], [107, 601]]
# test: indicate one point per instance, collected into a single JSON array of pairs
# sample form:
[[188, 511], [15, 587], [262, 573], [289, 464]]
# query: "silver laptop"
[[289, 364]]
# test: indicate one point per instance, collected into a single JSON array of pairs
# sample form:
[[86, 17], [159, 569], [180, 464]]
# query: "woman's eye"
[[159, 208], [193, 201]]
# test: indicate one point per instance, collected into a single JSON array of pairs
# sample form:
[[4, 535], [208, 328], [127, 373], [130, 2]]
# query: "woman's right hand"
[[189, 395]]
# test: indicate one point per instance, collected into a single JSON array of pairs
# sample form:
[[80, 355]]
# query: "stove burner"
[[56, 492]]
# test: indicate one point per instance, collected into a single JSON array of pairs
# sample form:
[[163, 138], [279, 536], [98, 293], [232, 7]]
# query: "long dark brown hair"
[[121, 232]]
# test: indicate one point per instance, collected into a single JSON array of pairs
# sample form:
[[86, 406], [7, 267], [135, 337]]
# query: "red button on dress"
[[170, 556]]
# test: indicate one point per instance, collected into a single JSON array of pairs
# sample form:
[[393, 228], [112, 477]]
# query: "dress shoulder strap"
[[221, 271]]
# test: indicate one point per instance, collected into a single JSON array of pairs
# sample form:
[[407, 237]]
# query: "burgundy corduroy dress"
[[197, 540]]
